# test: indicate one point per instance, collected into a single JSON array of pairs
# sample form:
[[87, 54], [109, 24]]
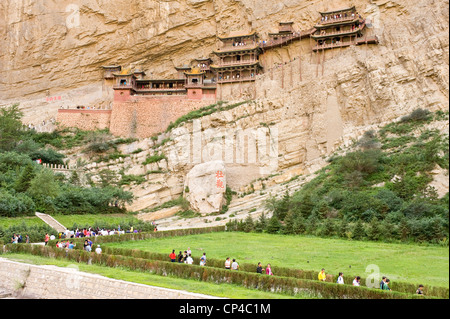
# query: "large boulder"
[[205, 186]]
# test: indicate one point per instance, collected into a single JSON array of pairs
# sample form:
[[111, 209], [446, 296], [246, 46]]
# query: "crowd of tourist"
[[384, 283], [238, 44], [17, 239], [186, 257], [87, 245], [92, 232]]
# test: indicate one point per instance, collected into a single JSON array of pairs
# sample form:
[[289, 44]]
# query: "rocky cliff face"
[[53, 51]]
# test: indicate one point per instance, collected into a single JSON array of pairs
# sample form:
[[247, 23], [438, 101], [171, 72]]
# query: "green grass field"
[[69, 220], [416, 264]]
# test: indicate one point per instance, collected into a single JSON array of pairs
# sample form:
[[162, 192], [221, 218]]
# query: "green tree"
[[10, 127], [358, 230], [404, 229], [311, 223], [273, 225], [44, 185], [374, 230], [23, 182], [299, 224], [342, 228], [328, 228], [248, 224], [261, 223], [289, 223]]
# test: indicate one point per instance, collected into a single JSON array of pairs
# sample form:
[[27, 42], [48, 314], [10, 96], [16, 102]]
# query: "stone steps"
[[53, 223]]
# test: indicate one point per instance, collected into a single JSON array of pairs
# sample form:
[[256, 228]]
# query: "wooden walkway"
[[287, 39]]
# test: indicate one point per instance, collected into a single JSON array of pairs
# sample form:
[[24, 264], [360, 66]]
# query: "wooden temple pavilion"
[[197, 85], [109, 71], [238, 59], [134, 83], [340, 28]]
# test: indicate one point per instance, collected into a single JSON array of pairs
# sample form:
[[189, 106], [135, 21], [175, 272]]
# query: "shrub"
[[417, 115], [154, 158]]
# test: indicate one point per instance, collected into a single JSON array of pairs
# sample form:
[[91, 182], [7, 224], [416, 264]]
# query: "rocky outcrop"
[[204, 187]]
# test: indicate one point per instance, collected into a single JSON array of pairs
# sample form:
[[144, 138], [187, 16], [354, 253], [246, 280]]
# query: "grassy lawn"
[[89, 219], [69, 220], [416, 264], [7, 222], [222, 290]]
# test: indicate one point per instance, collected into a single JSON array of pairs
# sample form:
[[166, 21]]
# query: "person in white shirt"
[[98, 250], [228, 263], [356, 281], [189, 260], [189, 251], [203, 260], [234, 265], [340, 279]]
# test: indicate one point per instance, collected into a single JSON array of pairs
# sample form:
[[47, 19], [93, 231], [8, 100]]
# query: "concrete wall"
[[51, 282], [84, 119]]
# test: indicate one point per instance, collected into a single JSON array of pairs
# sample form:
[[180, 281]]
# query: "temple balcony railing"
[[240, 62], [159, 89], [333, 45], [122, 86], [362, 40], [237, 48], [200, 85], [338, 33], [239, 79], [337, 20]]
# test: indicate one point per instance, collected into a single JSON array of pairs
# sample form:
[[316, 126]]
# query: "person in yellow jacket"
[[322, 275]]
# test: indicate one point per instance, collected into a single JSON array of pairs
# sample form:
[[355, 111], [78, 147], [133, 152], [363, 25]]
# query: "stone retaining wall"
[[84, 119], [51, 282]]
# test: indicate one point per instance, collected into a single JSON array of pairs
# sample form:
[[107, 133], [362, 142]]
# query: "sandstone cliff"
[[316, 102]]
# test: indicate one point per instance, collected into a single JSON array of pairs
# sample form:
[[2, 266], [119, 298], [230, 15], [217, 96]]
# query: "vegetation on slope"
[[378, 191], [27, 187]]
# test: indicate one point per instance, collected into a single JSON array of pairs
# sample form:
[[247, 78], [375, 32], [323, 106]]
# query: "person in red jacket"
[[173, 256]]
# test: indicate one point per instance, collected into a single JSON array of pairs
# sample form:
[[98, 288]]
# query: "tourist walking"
[[47, 237], [382, 282], [235, 265], [228, 263], [189, 260], [172, 256], [180, 257], [322, 276], [340, 279], [203, 260], [386, 285], [269, 270], [98, 250], [259, 269], [357, 281], [419, 290]]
